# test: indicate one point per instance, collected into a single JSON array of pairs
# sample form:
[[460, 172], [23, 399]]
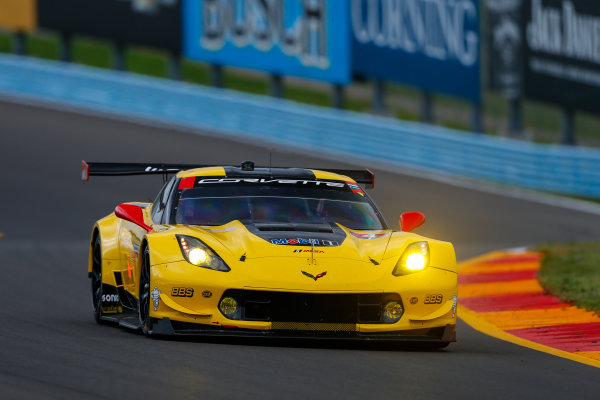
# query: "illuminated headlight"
[[392, 312], [414, 259], [199, 254], [229, 308]]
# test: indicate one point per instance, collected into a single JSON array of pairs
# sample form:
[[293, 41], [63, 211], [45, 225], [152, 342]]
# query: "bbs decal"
[[434, 299], [182, 292]]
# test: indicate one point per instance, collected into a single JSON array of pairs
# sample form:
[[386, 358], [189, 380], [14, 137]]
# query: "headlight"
[[199, 254], [414, 259]]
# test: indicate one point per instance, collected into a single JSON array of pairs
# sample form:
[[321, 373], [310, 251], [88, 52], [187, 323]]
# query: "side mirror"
[[410, 221], [132, 213]]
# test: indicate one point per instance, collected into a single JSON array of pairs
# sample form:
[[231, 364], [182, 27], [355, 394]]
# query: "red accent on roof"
[[497, 277], [526, 301], [187, 183], [571, 337]]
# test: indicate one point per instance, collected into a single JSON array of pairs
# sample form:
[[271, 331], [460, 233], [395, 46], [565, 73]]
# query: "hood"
[[300, 256]]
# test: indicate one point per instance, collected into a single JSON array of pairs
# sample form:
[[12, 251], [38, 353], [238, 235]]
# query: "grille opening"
[[294, 227], [310, 308]]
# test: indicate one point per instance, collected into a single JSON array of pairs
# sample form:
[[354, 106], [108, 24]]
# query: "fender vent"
[[118, 278]]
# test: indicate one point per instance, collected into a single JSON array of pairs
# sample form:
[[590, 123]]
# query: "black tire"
[[96, 279], [144, 294]]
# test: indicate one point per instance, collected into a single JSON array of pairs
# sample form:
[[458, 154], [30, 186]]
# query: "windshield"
[[219, 205]]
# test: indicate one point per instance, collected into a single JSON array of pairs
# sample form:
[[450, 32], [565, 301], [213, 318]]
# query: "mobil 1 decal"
[[304, 242]]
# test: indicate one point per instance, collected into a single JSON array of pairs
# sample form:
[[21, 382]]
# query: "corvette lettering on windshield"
[[270, 181]]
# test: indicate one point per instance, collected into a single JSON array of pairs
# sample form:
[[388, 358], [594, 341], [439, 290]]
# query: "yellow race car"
[[268, 252]]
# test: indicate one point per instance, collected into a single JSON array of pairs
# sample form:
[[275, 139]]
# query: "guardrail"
[[354, 135]]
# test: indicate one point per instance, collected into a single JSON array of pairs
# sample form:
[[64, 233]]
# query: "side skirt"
[[117, 307]]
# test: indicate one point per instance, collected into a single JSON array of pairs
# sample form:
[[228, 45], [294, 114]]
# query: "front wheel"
[[144, 295], [97, 280]]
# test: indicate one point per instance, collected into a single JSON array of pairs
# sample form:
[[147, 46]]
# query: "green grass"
[[147, 62], [245, 83], [195, 72], [5, 43], [572, 273], [93, 53], [42, 46], [407, 115]]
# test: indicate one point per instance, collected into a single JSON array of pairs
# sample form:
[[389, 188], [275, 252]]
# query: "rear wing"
[[122, 169]]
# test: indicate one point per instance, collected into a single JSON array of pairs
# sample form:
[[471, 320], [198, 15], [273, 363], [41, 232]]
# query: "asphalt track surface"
[[50, 346]]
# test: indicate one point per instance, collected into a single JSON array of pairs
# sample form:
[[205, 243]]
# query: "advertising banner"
[[505, 46], [305, 38], [433, 45], [152, 23], [562, 52], [18, 15]]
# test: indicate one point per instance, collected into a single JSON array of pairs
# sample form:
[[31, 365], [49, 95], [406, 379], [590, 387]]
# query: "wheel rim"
[[145, 290], [97, 279]]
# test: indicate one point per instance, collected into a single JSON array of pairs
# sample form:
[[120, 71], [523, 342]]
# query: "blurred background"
[[502, 80], [483, 115], [493, 66]]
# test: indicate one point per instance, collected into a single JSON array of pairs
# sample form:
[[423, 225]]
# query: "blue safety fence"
[[352, 135]]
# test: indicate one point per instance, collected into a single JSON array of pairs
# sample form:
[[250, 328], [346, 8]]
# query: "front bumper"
[[443, 334], [186, 302]]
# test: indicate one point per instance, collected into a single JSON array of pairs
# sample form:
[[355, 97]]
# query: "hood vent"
[[298, 234], [294, 227]]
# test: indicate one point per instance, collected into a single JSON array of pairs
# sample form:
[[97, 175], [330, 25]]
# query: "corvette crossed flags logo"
[[322, 274]]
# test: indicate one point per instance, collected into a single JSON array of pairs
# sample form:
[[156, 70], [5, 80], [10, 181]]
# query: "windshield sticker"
[[306, 242], [270, 181], [355, 188]]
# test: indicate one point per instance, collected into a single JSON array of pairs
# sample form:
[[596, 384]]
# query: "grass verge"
[[572, 273]]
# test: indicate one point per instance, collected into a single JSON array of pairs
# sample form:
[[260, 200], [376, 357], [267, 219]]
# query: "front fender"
[[108, 229]]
